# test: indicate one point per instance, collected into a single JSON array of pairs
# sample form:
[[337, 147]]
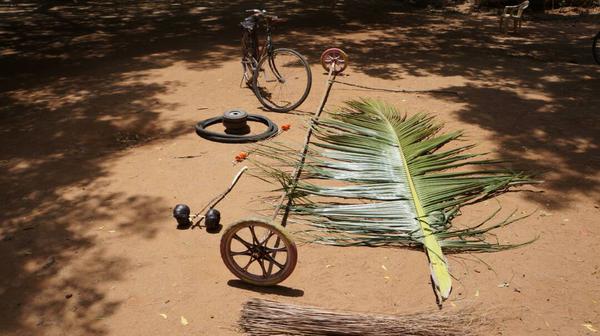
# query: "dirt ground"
[[98, 104]]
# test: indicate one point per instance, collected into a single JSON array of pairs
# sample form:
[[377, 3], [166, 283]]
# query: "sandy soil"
[[96, 109]]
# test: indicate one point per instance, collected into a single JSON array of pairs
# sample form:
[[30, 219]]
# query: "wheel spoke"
[[264, 270], [273, 261], [246, 253], [266, 240], [245, 243], [254, 238], [252, 259], [277, 250]]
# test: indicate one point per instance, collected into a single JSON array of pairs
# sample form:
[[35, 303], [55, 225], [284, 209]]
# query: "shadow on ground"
[[73, 95], [535, 91], [273, 290], [57, 136]]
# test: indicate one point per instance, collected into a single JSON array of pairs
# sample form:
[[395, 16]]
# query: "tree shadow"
[[56, 139], [71, 101], [74, 95], [537, 93], [557, 138], [42, 236]]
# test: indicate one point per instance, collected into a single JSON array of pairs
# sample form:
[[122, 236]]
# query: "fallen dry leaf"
[[590, 327], [384, 268], [163, 316]]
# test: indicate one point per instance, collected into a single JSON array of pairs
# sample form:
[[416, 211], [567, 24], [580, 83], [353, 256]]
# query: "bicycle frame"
[[252, 55]]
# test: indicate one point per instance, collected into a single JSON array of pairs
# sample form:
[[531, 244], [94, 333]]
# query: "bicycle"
[[280, 78], [596, 48]]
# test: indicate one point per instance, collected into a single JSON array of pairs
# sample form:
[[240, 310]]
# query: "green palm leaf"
[[396, 188]]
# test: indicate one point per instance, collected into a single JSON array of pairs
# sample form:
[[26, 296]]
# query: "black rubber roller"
[[201, 130]]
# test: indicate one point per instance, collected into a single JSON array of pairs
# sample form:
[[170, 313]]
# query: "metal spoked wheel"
[[282, 80], [258, 252], [334, 54], [596, 48]]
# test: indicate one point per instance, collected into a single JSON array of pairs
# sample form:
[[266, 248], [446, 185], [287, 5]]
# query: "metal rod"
[[213, 203], [233, 183], [298, 170], [397, 90], [296, 174]]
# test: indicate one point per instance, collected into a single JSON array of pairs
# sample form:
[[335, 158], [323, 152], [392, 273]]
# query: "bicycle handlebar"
[[263, 13], [256, 11]]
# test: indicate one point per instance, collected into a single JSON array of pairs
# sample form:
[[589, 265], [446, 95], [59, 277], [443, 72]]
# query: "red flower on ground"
[[241, 156]]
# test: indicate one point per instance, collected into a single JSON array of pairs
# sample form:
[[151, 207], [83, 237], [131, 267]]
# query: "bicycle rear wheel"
[[596, 48], [282, 80]]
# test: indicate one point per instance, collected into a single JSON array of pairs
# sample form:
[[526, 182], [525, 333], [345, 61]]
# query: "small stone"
[[48, 263], [68, 296]]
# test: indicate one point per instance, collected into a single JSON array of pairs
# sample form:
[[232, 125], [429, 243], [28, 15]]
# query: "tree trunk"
[[537, 5]]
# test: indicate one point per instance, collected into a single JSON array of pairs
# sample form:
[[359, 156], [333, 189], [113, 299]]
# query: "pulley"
[[181, 212], [212, 221]]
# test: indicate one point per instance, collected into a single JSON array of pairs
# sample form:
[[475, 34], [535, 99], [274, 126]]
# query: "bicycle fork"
[[244, 73]]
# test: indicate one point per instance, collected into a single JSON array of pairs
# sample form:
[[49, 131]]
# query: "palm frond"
[[381, 178]]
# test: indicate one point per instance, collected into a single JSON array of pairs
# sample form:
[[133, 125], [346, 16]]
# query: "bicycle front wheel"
[[282, 80], [596, 48]]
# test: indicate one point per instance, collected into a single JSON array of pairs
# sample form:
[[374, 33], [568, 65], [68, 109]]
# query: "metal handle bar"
[[263, 13], [256, 11]]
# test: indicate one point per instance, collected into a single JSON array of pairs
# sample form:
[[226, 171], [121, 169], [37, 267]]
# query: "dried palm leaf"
[[268, 318]]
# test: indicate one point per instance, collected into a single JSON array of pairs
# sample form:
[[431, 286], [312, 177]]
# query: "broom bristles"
[[265, 317]]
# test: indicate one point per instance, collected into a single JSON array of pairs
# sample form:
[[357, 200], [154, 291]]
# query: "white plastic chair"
[[514, 13]]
